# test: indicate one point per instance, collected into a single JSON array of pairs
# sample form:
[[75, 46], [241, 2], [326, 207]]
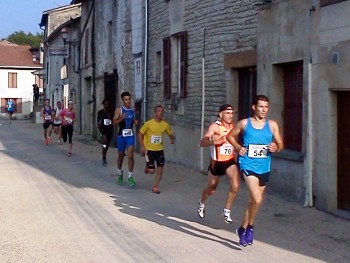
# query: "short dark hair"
[[106, 100], [158, 106], [124, 94], [260, 97]]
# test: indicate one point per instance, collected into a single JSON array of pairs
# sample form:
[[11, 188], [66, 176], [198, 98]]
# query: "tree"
[[21, 38]]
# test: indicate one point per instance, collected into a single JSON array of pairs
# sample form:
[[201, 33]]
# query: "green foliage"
[[21, 38]]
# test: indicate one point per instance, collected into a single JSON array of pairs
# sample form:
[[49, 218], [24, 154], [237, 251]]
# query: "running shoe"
[[69, 154], [241, 234], [120, 177], [104, 162], [249, 234], [227, 216], [46, 142], [59, 142], [155, 190], [201, 210], [146, 169], [131, 182], [49, 139]]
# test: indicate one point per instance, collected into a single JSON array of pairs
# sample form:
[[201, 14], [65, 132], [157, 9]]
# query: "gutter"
[[145, 78]]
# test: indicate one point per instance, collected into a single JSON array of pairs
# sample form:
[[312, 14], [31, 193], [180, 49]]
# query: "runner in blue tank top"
[[260, 137], [124, 117]]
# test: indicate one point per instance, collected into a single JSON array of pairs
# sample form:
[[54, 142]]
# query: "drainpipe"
[[93, 60], [309, 151], [203, 99], [144, 106]]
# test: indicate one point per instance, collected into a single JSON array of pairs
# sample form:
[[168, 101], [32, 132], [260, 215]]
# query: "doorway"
[[111, 88], [343, 150]]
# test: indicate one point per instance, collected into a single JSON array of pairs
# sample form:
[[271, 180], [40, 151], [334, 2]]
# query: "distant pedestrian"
[[105, 128], [47, 114], [260, 138], [10, 108], [57, 122], [222, 162], [36, 93], [124, 117], [68, 118], [152, 144]]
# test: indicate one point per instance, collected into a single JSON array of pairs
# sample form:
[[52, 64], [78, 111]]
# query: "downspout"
[[145, 78], [309, 151], [309, 141], [93, 61], [203, 99]]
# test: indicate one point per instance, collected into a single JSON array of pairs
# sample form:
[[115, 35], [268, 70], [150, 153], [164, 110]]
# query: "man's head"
[[226, 113], [70, 104], [260, 106], [106, 103], [47, 102], [59, 104], [158, 112], [126, 98]]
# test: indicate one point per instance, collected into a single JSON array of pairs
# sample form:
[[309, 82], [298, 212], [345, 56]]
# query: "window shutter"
[[183, 82], [293, 106], [166, 68], [3, 106], [18, 106]]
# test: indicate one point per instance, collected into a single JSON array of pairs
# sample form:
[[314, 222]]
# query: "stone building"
[[60, 53], [303, 65]]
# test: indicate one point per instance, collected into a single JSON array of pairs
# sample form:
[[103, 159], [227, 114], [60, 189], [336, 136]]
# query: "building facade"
[[17, 64]]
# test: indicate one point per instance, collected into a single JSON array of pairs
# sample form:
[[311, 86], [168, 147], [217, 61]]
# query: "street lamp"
[[64, 34]]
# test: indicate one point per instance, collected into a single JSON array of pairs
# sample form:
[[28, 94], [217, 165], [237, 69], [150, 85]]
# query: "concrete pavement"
[[284, 231]]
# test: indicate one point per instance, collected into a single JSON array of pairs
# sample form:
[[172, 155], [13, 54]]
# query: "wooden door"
[[343, 150]]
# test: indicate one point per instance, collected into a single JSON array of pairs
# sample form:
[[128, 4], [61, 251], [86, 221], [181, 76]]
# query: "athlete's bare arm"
[[118, 118], [231, 137], [277, 145], [143, 148], [42, 112], [209, 139]]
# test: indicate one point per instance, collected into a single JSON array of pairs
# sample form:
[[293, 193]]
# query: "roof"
[[17, 56], [46, 13]]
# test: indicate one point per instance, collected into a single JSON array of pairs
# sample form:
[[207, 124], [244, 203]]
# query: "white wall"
[[24, 90]]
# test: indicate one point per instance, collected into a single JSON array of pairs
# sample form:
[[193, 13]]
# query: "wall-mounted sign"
[[58, 51]]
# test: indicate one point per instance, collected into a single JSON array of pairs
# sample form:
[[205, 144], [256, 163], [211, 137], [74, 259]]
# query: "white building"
[[17, 63]]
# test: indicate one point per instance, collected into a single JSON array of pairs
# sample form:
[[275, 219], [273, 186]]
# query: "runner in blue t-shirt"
[[10, 108]]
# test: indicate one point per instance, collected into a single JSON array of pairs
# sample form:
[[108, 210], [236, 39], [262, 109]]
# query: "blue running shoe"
[[249, 234], [241, 234]]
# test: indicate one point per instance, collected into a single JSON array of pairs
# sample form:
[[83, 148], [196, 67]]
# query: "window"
[[86, 50], [12, 80], [174, 65], [293, 105], [158, 66], [246, 91], [330, 2]]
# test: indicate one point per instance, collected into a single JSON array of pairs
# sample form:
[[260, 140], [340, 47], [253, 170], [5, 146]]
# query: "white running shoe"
[[227, 216], [201, 210]]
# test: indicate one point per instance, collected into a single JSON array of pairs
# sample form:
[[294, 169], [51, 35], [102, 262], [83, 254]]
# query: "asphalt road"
[[59, 209]]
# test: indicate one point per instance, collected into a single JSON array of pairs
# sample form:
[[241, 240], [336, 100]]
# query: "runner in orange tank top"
[[223, 161]]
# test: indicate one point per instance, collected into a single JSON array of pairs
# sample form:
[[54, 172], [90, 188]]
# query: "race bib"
[[107, 122], [68, 120], [48, 117], [156, 139], [127, 132], [257, 151], [226, 149]]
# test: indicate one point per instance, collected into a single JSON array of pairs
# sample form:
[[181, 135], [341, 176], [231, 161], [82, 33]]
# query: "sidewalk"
[[280, 224]]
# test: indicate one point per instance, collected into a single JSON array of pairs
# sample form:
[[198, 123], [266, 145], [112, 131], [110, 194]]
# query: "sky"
[[24, 15]]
